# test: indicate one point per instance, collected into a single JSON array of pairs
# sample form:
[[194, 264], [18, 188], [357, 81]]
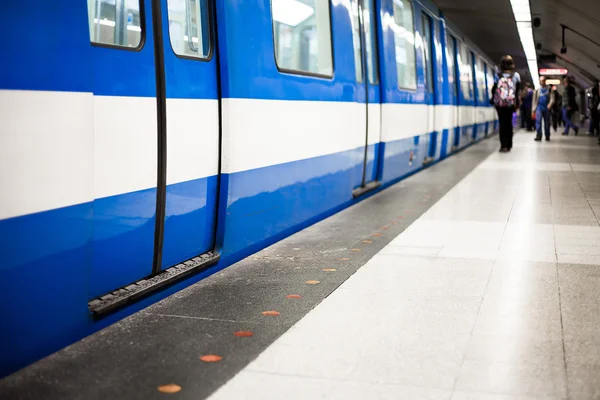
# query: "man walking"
[[543, 101], [569, 106]]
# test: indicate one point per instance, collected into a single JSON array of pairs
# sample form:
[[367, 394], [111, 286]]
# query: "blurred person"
[[543, 102], [526, 108], [507, 85], [594, 106], [556, 108], [569, 106]]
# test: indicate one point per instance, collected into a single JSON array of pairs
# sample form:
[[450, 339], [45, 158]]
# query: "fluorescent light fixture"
[[522, 14], [553, 81], [291, 12]]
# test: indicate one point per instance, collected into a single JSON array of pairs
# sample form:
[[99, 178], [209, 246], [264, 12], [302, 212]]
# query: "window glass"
[[356, 41], [427, 61], [465, 71], [115, 22], [490, 79], [302, 34], [189, 27], [480, 79], [404, 39], [450, 57], [369, 21]]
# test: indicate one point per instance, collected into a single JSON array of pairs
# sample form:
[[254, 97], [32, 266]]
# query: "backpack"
[[505, 95]]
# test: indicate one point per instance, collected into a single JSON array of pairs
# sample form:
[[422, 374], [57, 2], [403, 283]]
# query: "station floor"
[[476, 279]]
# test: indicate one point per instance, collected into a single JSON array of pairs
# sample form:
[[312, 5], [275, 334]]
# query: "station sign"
[[553, 71]]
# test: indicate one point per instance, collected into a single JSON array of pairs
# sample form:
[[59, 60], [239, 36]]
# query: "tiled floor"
[[494, 293]]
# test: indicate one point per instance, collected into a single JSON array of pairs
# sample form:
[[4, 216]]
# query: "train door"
[[155, 112], [367, 76], [125, 142], [428, 66], [192, 134], [451, 57]]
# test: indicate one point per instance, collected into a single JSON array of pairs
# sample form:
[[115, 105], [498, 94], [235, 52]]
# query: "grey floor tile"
[[376, 391], [337, 362], [512, 379], [529, 349], [255, 385], [581, 351], [495, 396], [430, 372], [547, 327], [583, 382]]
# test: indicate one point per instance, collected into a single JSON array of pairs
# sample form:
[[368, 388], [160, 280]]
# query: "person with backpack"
[[569, 106], [543, 101], [507, 84]]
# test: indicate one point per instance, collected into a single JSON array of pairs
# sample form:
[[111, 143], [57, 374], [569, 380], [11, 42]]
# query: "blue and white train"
[[142, 140]]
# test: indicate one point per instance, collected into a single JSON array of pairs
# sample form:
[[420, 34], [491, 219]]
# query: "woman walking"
[[507, 84]]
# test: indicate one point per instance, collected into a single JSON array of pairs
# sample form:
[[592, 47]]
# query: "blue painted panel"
[[45, 259], [190, 220], [187, 78], [122, 72], [402, 157], [390, 92], [445, 144], [251, 20], [38, 40], [123, 240], [264, 202]]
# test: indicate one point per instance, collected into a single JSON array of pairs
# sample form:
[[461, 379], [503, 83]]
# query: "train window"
[[465, 65], [490, 79], [302, 35], [480, 79], [356, 40], [189, 27], [450, 57], [115, 22], [404, 40], [370, 38], [427, 61]]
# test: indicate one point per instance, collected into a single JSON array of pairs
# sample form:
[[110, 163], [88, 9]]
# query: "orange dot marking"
[[243, 334], [367, 241], [293, 296], [400, 216], [344, 259], [355, 250], [171, 388], [211, 358], [376, 234], [313, 282], [385, 228], [270, 313], [329, 269]]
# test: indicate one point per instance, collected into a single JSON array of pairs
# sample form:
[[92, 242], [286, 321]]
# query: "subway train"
[[146, 144]]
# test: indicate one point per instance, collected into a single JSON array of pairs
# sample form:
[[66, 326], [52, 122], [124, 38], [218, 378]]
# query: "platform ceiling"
[[491, 26]]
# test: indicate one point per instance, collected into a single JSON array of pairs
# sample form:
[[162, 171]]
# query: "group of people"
[[543, 106], [527, 109]]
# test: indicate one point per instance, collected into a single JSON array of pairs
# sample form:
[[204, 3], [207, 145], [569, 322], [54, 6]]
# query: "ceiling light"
[[522, 14]]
